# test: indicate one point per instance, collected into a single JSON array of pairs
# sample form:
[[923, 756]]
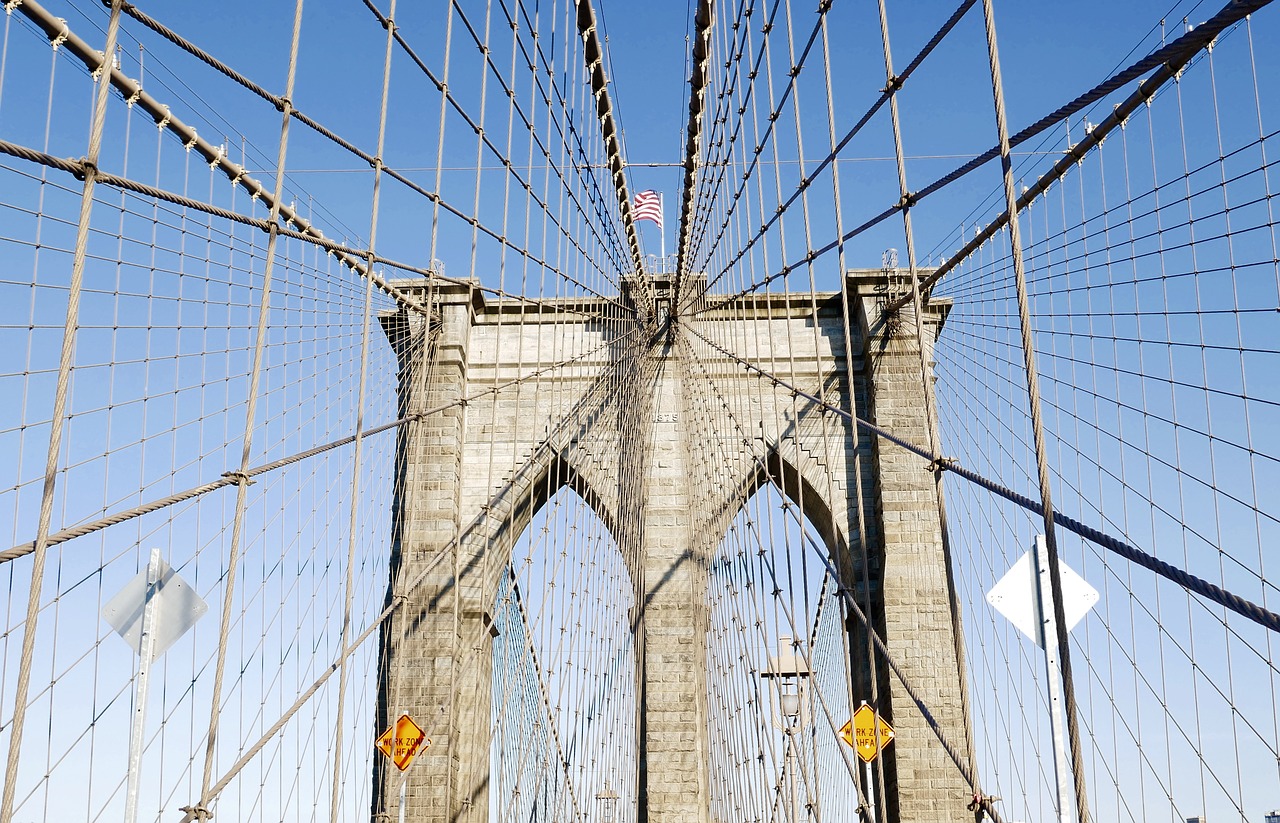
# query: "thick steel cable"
[[133, 93], [200, 807], [1037, 423], [930, 401], [963, 763], [65, 363], [1263, 617], [895, 84], [1199, 38], [593, 54], [358, 443], [77, 169], [699, 79]]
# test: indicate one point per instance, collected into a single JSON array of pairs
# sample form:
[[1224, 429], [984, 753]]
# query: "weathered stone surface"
[[666, 478]]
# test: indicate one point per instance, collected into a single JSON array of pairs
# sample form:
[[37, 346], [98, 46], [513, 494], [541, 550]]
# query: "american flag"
[[648, 206]]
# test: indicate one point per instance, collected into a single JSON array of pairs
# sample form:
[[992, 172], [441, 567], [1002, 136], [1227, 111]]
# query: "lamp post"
[[607, 801], [788, 671]]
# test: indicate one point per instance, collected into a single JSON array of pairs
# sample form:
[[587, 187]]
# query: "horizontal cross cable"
[[133, 92], [233, 478], [1094, 137], [1262, 616], [965, 771], [56, 30], [77, 168], [1185, 46], [889, 90], [348, 255]]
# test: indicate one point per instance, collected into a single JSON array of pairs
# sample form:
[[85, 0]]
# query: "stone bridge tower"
[[454, 528]]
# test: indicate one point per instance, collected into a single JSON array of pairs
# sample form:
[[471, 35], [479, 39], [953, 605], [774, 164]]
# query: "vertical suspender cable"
[[892, 84], [70, 326], [1037, 423], [357, 450], [200, 810]]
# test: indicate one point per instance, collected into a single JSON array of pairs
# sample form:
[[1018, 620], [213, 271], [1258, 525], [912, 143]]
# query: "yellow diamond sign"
[[861, 733], [402, 742]]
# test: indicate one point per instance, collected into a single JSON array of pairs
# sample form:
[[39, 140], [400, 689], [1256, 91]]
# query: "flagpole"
[[662, 228]]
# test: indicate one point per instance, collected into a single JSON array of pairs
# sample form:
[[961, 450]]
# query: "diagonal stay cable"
[[464, 533], [1183, 48], [1167, 70], [1262, 616], [77, 169], [231, 478], [133, 93], [57, 30], [962, 763], [890, 89]]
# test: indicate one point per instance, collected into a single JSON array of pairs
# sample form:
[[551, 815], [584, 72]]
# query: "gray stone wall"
[[472, 476]]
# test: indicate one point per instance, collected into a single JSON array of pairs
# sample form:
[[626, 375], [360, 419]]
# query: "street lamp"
[[789, 670], [607, 800]]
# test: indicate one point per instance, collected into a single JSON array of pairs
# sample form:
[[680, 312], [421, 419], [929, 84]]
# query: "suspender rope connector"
[[940, 464]]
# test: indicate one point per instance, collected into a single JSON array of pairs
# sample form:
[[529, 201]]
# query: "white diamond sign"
[[177, 608], [1014, 596]]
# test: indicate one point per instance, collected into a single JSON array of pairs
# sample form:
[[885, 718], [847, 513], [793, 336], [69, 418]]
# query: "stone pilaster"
[[915, 589], [435, 652], [671, 634]]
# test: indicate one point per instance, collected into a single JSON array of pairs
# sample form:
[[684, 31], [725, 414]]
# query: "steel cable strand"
[[1187, 45], [231, 477], [76, 168], [1263, 617], [807, 181], [961, 763]]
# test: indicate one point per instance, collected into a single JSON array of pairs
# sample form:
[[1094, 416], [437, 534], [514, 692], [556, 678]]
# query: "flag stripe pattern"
[[648, 206]]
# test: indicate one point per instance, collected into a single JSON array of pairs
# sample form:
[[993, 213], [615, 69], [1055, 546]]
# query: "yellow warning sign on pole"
[[867, 733], [402, 742]]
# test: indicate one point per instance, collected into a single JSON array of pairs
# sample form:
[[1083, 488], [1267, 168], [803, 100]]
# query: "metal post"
[[870, 795], [869, 775], [146, 651], [1048, 633]]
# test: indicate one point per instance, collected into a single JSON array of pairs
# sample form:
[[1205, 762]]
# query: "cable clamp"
[[191, 144], [11, 5], [825, 6], [239, 477], [235, 181], [907, 201], [85, 170], [197, 811], [164, 121], [893, 84], [133, 98], [980, 805], [62, 35], [939, 464]]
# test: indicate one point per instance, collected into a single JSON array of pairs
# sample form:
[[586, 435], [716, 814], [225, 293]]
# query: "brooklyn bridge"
[[720, 411]]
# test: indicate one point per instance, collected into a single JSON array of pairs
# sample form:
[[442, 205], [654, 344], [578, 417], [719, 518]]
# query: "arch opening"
[[564, 667], [779, 673]]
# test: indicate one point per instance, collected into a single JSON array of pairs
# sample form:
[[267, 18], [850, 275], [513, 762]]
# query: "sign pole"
[[1053, 672], [871, 791], [146, 651], [867, 775]]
